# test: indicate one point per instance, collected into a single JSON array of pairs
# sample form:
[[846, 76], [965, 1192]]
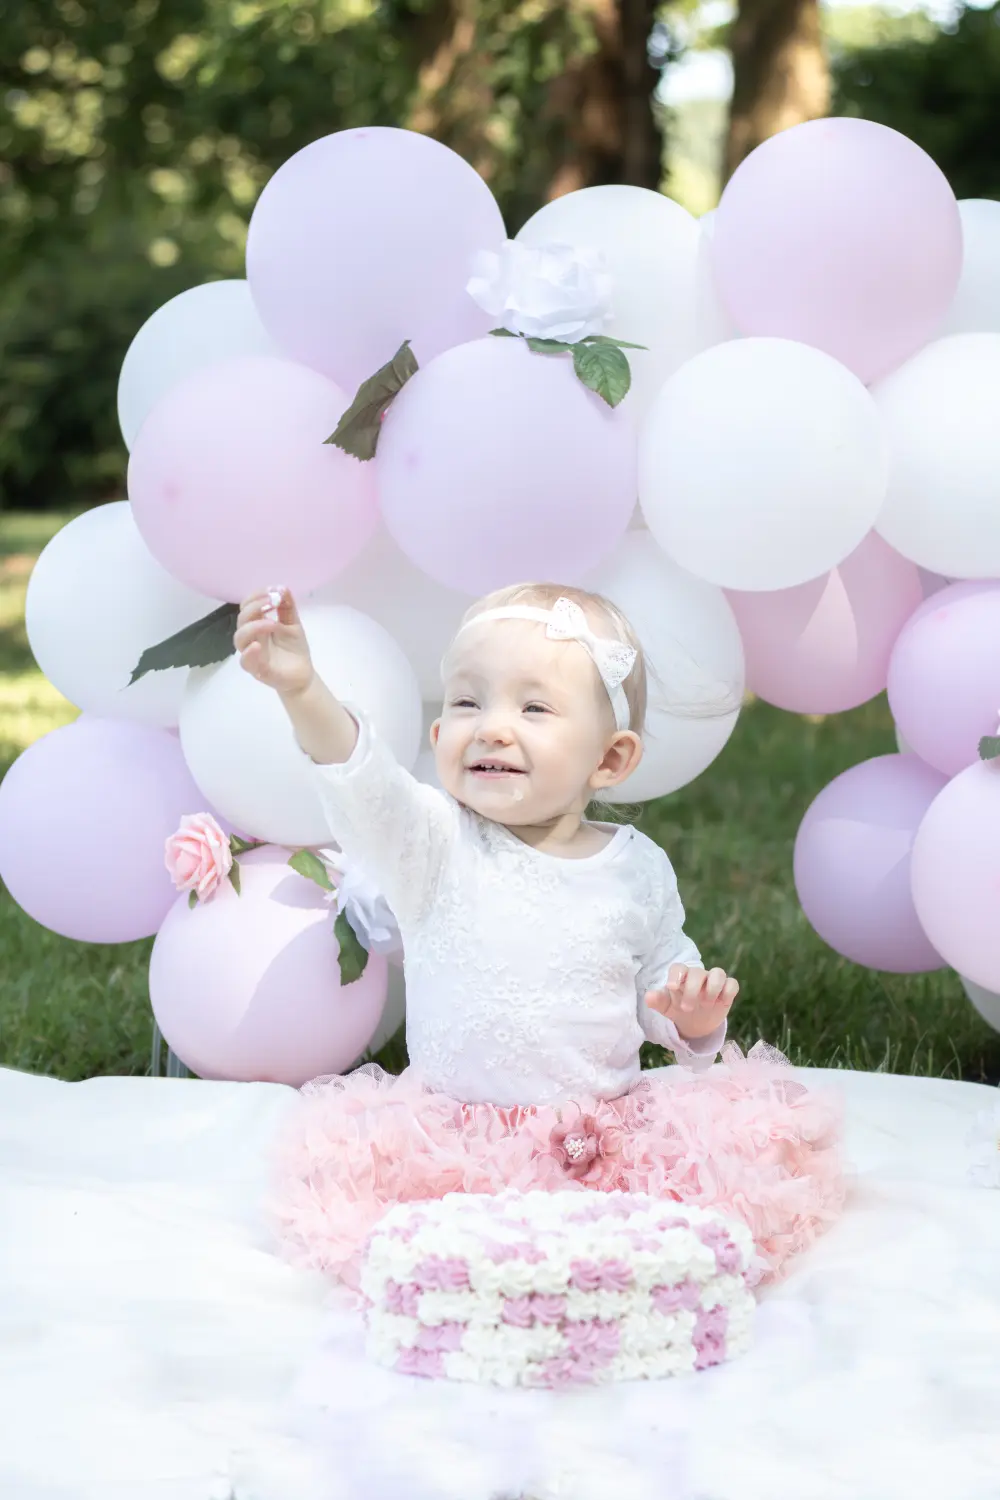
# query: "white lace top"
[[525, 972]]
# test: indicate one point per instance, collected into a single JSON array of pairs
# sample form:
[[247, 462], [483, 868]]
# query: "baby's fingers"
[[269, 604], [255, 631], [284, 606], [686, 985], [729, 991], [659, 1000], [715, 984]]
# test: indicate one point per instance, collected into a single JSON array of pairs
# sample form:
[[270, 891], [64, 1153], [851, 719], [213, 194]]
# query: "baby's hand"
[[272, 643], [696, 1002]]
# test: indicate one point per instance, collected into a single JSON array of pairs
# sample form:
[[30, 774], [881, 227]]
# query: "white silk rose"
[[364, 906], [544, 291]]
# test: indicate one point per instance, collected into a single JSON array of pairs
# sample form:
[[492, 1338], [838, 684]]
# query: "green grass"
[[75, 1010]]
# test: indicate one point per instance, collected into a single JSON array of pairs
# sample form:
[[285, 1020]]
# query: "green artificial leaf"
[[234, 877], [989, 747], [243, 846], [503, 333], [353, 957], [202, 644], [192, 899], [358, 430], [549, 346], [305, 862], [603, 369], [604, 338]]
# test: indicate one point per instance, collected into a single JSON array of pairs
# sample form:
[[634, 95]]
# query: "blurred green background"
[[134, 139], [135, 136]]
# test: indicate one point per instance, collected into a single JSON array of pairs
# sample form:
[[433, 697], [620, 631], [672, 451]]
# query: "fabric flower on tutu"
[[544, 291], [585, 1149], [198, 856]]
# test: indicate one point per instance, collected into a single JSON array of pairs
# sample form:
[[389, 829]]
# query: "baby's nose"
[[496, 729]]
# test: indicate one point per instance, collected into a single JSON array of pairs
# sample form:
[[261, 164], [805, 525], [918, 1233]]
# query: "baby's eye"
[[463, 703], [536, 708]]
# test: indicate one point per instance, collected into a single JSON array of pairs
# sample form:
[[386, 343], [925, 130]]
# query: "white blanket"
[[152, 1347]]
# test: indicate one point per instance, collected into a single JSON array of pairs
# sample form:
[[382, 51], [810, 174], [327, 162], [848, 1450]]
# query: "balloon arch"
[[769, 437]]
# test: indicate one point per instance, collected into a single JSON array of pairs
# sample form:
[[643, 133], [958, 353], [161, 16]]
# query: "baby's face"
[[526, 725]]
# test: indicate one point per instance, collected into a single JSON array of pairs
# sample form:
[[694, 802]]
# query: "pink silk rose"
[[585, 1149], [198, 856]]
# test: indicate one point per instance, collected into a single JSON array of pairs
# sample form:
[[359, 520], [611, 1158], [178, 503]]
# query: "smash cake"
[[548, 1289]]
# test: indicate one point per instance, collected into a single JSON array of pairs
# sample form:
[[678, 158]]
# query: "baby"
[[541, 948]]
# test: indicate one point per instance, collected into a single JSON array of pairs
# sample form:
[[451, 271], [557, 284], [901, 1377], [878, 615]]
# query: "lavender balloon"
[[234, 486], [248, 987], [852, 863], [944, 675], [842, 234], [84, 816], [956, 874], [496, 464], [366, 238]]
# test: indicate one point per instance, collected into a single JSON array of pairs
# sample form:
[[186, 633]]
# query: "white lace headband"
[[566, 621]]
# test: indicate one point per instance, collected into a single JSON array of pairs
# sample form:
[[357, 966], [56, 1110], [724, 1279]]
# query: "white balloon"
[[419, 613], [197, 328], [713, 324], [939, 412], [976, 307], [695, 660], [651, 247], [238, 740], [97, 599], [761, 464], [985, 1002]]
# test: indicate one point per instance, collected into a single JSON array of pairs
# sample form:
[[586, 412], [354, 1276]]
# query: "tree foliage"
[[135, 136], [940, 87]]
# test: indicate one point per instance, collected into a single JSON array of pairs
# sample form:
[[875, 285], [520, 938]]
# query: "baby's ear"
[[435, 731], [621, 758]]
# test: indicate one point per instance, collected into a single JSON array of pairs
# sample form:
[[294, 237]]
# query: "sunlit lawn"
[[74, 1010]]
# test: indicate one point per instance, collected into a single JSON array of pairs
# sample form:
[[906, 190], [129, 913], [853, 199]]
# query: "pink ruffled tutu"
[[744, 1137]]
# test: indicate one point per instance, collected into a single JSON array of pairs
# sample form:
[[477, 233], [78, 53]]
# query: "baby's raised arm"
[[387, 824], [273, 648]]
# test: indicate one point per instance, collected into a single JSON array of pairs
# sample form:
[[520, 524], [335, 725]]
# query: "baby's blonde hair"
[[606, 617], [700, 697]]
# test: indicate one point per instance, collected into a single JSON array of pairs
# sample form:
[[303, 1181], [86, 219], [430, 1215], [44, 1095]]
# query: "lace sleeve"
[[670, 944], [395, 829]]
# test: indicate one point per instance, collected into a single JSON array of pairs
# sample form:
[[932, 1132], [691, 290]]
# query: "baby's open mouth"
[[494, 768]]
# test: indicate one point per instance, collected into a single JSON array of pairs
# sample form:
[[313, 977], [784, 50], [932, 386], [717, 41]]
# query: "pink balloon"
[[84, 815], [842, 234], [497, 465], [366, 238], [955, 872], [823, 647], [234, 486], [944, 675], [248, 987], [852, 863]]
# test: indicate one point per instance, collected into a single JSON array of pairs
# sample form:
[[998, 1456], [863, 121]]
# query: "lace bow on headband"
[[566, 621]]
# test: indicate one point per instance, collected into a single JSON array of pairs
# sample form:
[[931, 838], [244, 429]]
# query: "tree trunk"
[[781, 76], [593, 123], [605, 101]]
